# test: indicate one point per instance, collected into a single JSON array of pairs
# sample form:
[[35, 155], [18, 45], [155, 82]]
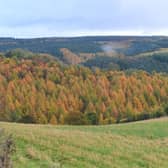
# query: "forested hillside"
[[39, 89], [106, 52], [150, 63]]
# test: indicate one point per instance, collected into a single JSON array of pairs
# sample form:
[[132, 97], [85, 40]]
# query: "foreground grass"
[[133, 145]]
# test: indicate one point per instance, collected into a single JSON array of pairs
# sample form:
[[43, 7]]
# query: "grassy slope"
[[134, 145], [147, 54]]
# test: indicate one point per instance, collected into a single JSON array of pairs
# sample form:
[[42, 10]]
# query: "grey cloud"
[[69, 16]]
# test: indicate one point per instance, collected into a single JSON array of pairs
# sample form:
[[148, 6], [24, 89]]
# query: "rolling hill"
[[105, 52], [47, 81]]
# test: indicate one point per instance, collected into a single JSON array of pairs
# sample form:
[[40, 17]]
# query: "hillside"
[[38, 89], [105, 52], [140, 144]]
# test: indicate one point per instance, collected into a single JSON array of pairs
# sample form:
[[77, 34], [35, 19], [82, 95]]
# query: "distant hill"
[[105, 52]]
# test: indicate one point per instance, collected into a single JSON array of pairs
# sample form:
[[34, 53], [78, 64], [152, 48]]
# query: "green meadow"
[[141, 144]]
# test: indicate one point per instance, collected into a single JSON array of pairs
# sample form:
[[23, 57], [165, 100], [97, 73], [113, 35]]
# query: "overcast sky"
[[39, 18]]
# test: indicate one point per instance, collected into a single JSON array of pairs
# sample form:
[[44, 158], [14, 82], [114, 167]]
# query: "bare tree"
[[6, 149]]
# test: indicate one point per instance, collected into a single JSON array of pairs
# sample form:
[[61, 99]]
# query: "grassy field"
[[133, 145]]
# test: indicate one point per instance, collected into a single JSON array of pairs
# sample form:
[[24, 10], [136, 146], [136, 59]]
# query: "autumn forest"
[[39, 89]]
